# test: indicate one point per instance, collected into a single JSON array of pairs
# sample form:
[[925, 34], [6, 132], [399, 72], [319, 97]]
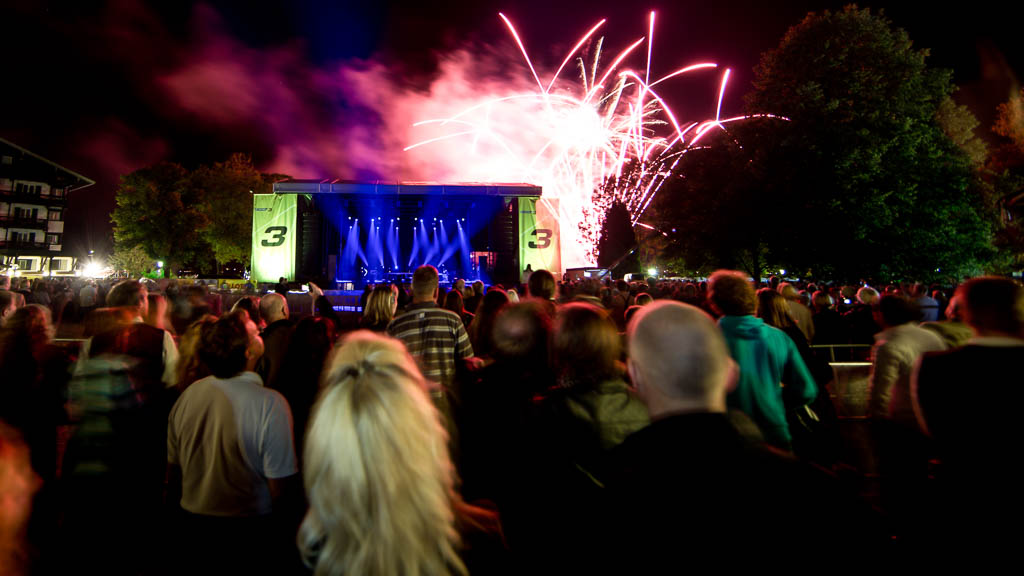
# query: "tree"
[[862, 180], [157, 211], [617, 240], [134, 260], [721, 205], [959, 123], [226, 190], [1006, 179], [1010, 120]]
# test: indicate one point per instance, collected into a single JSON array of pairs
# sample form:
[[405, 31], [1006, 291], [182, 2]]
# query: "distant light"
[[652, 271], [673, 229], [92, 270], [783, 272], [159, 263]]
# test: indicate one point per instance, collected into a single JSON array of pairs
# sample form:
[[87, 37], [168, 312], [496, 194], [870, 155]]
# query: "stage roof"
[[349, 187]]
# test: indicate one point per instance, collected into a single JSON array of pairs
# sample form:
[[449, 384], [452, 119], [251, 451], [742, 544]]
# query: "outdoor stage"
[[344, 235]]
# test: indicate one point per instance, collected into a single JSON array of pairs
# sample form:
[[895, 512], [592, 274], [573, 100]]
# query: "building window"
[[60, 265], [26, 264], [53, 238], [55, 214]]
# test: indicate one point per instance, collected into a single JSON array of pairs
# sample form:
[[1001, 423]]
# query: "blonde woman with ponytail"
[[377, 472]]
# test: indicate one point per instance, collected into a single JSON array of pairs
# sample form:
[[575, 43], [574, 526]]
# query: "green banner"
[[274, 219], [539, 242]]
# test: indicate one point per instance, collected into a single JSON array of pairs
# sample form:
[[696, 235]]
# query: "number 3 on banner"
[[543, 238], [276, 236]]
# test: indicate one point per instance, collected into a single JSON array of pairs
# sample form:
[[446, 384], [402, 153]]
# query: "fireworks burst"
[[609, 137]]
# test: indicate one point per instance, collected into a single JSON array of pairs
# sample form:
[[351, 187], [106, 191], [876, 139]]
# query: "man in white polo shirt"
[[230, 445]]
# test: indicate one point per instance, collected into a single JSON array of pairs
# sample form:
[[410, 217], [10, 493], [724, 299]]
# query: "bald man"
[[690, 485], [276, 336]]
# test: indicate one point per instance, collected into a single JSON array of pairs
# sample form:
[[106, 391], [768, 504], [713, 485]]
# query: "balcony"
[[22, 245], [54, 197], [12, 221]]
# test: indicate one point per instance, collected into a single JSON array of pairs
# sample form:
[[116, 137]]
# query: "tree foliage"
[[225, 190], [190, 218], [617, 240], [722, 206], [861, 181], [1006, 178], [134, 260], [158, 211], [1010, 120]]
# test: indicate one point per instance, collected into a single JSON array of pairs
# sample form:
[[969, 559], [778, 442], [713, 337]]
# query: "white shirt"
[[229, 436], [893, 359]]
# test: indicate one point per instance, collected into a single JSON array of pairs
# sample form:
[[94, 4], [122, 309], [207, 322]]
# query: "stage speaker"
[[311, 248]]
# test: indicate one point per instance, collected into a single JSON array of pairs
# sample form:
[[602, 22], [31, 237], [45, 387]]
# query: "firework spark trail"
[[577, 144]]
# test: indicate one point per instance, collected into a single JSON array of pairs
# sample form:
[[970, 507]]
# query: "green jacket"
[[772, 375]]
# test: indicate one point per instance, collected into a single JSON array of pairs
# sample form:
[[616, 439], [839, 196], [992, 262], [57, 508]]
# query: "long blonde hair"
[[376, 468]]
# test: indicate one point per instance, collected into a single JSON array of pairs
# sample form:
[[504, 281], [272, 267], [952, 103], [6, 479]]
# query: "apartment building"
[[33, 200]]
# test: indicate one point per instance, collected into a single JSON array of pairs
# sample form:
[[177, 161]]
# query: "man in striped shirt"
[[435, 337]]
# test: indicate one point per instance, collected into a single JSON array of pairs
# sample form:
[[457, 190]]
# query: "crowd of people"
[[587, 426]]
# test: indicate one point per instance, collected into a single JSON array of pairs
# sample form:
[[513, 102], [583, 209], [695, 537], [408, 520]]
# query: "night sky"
[[104, 88]]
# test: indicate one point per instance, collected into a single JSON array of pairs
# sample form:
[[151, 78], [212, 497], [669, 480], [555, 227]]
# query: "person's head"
[[955, 308], [380, 305], [731, 294], [273, 307], [478, 288], [773, 308], [308, 348], [541, 285], [994, 306], [5, 282], [8, 304], [822, 300], [232, 345], [251, 305], [585, 345], [896, 310], [107, 319], [867, 295], [28, 325], [521, 334], [424, 284], [190, 365], [453, 302], [513, 295], [129, 293], [643, 299], [376, 468], [788, 291], [678, 359], [459, 285]]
